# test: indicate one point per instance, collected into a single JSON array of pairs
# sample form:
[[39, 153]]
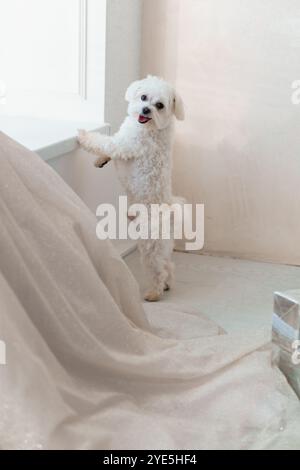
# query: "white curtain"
[[89, 368]]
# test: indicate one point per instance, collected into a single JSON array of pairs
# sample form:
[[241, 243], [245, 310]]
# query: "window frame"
[[89, 101]]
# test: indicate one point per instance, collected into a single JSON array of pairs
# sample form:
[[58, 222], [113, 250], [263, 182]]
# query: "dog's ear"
[[179, 107], [132, 90]]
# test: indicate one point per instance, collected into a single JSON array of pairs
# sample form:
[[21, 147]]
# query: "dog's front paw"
[[101, 161], [152, 296]]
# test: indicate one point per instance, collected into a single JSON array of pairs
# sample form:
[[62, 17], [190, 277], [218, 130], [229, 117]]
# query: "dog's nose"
[[146, 111]]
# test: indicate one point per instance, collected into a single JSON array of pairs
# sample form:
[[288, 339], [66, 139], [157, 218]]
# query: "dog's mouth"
[[143, 119]]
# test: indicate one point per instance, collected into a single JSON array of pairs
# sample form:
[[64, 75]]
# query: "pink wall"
[[238, 151]]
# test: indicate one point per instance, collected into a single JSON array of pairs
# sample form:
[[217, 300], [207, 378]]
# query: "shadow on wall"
[[244, 216]]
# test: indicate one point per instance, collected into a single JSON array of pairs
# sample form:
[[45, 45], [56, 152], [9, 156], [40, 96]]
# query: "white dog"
[[141, 150]]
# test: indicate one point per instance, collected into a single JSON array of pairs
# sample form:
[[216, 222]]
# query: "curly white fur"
[[141, 150]]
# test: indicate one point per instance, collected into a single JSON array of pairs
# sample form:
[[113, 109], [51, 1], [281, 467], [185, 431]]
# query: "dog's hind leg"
[[154, 263], [168, 247], [159, 277], [158, 267], [170, 267]]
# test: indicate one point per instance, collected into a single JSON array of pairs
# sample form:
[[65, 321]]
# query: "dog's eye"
[[159, 106], [144, 97]]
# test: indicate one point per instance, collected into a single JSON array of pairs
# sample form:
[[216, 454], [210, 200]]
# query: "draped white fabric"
[[89, 368]]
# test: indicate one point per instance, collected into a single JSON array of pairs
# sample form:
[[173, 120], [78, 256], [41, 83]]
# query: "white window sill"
[[48, 138]]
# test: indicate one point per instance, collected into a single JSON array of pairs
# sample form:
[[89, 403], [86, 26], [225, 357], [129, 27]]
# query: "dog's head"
[[153, 101]]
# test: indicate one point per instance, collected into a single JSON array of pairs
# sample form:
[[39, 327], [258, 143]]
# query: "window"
[[52, 58]]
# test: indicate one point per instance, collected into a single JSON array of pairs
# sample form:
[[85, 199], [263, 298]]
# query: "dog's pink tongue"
[[143, 119]]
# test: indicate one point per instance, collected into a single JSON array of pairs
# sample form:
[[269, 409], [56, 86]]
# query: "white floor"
[[236, 294]]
